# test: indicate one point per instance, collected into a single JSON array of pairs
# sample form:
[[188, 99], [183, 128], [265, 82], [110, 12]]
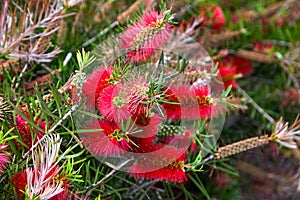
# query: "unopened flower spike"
[[283, 134]]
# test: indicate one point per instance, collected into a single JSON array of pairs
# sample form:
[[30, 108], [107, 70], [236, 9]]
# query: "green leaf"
[[198, 183]]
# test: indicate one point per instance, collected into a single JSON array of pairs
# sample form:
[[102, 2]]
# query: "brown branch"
[[255, 105], [255, 56], [255, 171], [215, 40], [133, 8]]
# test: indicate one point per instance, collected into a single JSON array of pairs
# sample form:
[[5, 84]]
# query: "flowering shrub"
[[138, 111]]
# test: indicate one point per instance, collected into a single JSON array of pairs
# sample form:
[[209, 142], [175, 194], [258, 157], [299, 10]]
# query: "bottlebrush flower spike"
[[213, 17], [140, 99], [143, 38], [95, 84], [262, 47], [19, 181], [138, 94], [113, 103], [228, 74], [188, 102], [166, 167], [151, 127], [109, 140], [243, 65], [172, 106], [145, 139], [3, 157], [25, 131], [202, 93], [285, 135]]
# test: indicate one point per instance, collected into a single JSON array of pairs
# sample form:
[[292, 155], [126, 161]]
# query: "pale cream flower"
[[287, 135], [40, 177]]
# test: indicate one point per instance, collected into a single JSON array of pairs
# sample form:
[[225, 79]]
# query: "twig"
[[133, 8], [146, 184], [204, 161], [255, 105], [278, 43], [115, 169], [73, 109], [255, 171], [255, 56], [291, 76], [106, 30], [21, 76]]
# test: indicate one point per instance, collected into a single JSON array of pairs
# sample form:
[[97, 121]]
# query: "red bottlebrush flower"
[[152, 127], [142, 39], [243, 65], [193, 147], [145, 139], [148, 129], [95, 84], [213, 17], [235, 19], [19, 181], [202, 93], [228, 75], [113, 103], [194, 102], [26, 131], [166, 164], [143, 145], [173, 107], [138, 90], [3, 158], [110, 140], [232, 68], [262, 47]]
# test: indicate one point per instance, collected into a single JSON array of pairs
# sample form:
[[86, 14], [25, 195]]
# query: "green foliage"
[[265, 85]]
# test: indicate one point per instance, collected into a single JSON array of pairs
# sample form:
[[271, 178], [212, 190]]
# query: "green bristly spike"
[[171, 130]]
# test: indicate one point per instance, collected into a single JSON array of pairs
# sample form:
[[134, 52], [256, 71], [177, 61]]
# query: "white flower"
[[285, 135], [45, 167]]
